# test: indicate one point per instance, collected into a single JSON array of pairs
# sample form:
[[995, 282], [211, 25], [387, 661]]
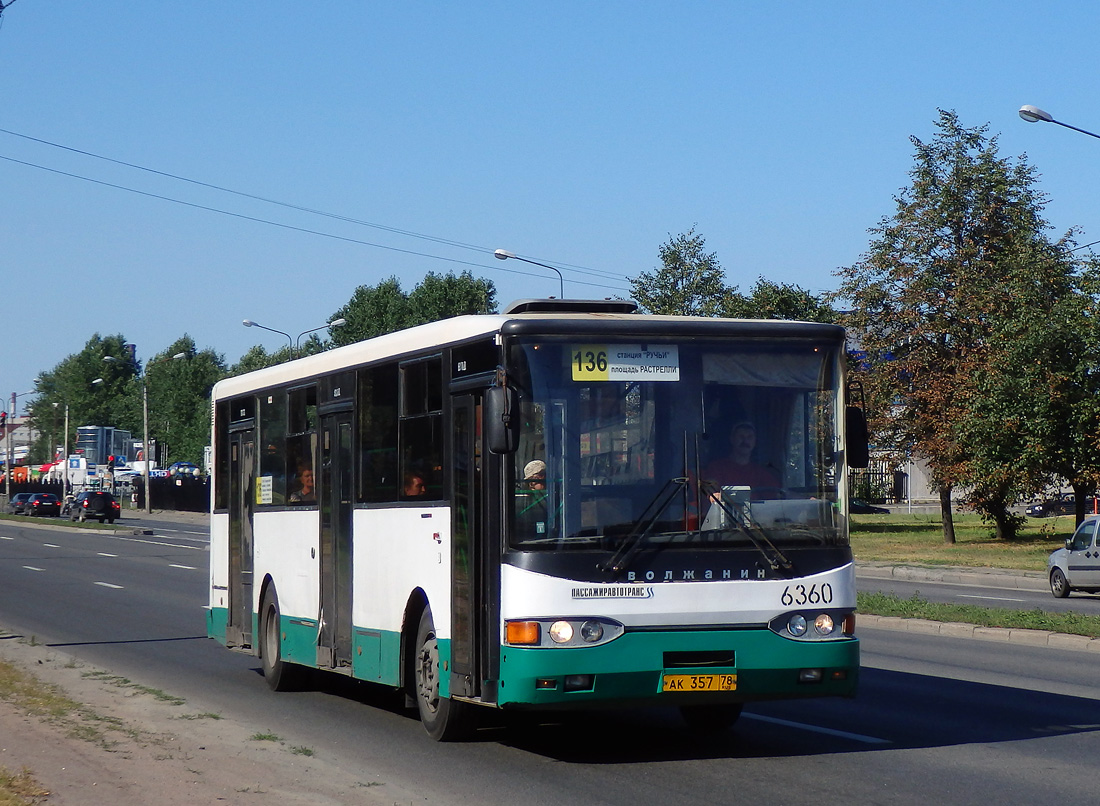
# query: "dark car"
[[43, 504], [17, 502], [859, 507], [1062, 504], [96, 504]]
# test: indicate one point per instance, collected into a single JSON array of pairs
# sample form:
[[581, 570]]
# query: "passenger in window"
[[305, 494], [737, 468], [414, 486]]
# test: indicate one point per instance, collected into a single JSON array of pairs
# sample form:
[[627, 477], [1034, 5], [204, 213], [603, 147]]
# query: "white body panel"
[[286, 548], [525, 594], [397, 551]]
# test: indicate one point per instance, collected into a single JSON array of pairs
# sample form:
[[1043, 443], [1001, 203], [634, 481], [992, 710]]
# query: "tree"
[[384, 308], [934, 303], [179, 398], [443, 296], [70, 384], [771, 300], [690, 281]]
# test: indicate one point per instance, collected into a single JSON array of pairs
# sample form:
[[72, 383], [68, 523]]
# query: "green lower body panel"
[[631, 669], [376, 656], [216, 620]]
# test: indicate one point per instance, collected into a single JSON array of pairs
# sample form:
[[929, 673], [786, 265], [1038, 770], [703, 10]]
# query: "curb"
[[1053, 640], [977, 577]]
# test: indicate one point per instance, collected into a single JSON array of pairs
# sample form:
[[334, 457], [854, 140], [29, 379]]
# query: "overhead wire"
[[291, 227], [300, 208]]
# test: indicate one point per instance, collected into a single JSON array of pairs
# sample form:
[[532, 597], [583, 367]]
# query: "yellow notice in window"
[[624, 362]]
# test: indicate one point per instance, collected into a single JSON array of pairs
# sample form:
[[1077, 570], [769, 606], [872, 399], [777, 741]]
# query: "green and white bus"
[[518, 511]]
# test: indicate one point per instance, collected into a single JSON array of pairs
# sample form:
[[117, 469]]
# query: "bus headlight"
[[561, 632], [831, 625], [592, 632]]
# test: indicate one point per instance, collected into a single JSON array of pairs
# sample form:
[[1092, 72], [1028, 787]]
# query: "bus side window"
[[301, 445], [378, 466], [421, 429]]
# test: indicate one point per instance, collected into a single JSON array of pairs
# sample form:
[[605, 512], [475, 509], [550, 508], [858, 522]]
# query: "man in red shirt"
[[737, 469]]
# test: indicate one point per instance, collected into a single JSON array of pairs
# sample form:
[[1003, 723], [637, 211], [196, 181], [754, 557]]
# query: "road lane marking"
[[109, 585], [32, 568], [51, 545], [5, 537], [105, 554], [990, 598], [856, 737], [184, 567]]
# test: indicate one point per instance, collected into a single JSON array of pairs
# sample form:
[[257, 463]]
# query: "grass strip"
[[889, 604]]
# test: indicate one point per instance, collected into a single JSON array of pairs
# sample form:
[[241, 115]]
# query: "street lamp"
[[332, 324], [1033, 114], [504, 254], [294, 345], [144, 419], [250, 323]]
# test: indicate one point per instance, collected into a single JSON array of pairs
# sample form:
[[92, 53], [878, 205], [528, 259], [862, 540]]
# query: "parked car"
[[97, 504], [43, 504], [17, 502], [860, 507], [1077, 566], [1061, 504]]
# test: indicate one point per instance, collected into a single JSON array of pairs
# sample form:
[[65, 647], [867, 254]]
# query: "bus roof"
[[458, 329]]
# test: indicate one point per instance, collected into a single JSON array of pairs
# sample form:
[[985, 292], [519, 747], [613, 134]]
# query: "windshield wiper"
[[739, 515], [635, 539]]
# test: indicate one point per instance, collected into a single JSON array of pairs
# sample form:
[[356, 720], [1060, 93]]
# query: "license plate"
[[699, 682]]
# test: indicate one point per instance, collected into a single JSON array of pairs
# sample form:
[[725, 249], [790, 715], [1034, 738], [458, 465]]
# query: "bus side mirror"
[[857, 448], [501, 419]]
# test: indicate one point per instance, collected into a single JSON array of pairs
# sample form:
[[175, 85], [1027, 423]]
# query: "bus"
[[521, 511]]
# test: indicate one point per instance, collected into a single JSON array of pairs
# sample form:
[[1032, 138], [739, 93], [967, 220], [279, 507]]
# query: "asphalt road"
[[937, 719]]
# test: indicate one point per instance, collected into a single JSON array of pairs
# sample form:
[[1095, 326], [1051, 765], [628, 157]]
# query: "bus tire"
[[279, 674], [711, 718], [444, 719]]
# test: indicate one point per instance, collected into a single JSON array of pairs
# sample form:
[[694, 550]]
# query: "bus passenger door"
[[242, 460], [472, 583], [335, 500]]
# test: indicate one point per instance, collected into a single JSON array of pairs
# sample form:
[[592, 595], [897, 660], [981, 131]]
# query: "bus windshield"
[[690, 443]]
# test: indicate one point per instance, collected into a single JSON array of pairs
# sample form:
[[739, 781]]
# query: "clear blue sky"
[[576, 134]]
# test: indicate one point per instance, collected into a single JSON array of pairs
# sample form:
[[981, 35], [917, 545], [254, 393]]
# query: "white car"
[[1077, 566]]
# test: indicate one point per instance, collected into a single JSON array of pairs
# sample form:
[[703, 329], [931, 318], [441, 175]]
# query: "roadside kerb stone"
[[954, 629]]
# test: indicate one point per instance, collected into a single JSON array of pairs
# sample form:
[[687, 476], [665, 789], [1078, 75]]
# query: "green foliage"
[[690, 281], [179, 399], [384, 308], [770, 300]]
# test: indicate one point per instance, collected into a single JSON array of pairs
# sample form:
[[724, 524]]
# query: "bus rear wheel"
[[444, 719], [711, 718], [280, 675]]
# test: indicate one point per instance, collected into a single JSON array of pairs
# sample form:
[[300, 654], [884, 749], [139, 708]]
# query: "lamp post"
[[145, 421], [250, 323], [504, 254], [1033, 114], [294, 345], [332, 324]]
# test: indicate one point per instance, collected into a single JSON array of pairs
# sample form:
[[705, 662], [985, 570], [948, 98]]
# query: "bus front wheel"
[[444, 719], [280, 675]]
